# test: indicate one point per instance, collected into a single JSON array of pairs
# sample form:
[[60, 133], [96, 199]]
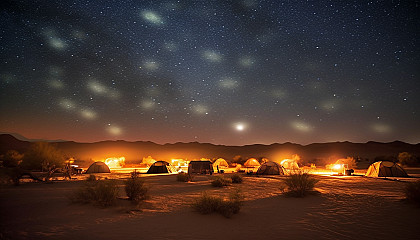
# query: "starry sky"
[[224, 72]]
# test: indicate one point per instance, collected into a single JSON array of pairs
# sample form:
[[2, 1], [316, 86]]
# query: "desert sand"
[[346, 207]]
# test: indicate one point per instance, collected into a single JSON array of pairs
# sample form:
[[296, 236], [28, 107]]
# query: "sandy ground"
[[348, 207]]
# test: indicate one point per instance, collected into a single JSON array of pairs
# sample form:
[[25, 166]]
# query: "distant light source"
[[239, 127]]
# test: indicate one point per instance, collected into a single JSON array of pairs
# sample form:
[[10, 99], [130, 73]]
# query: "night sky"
[[223, 72]]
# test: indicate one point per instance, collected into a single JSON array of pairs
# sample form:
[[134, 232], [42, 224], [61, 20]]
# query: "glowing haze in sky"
[[225, 72]]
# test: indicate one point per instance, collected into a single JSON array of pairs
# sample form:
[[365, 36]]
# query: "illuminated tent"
[[270, 168], [200, 167], [221, 163], [252, 162], [161, 167], [98, 167], [385, 169], [289, 164]]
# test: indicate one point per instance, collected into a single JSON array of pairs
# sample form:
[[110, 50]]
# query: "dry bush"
[[10, 176], [233, 205], [101, 193], [236, 178], [207, 204], [412, 192], [136, 189], [299, 184], [184, 177], [219, 181], [91, 178]]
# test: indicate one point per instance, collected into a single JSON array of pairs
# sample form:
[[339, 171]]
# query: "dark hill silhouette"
[[135, 151], [9, 142]]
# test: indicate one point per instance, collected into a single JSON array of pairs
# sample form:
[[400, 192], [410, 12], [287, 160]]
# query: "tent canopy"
[[385, 169], [98, 167], [200, 167], [221, 163], [252, 162], [161, 167], [289, 164], [270, 168]]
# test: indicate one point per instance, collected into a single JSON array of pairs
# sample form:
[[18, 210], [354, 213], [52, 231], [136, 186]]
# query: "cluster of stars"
[[221, 72]]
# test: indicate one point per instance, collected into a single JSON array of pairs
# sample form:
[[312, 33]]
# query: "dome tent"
[[221, 163], [161, 167], [385, 169], [252, 162], [98, 167], [270, 168]]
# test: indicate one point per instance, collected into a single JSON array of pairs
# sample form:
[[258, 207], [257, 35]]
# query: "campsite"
[[349, 198], [344, 207]]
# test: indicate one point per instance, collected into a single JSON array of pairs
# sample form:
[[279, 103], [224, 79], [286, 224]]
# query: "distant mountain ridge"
[[22, 138], [135, 151]]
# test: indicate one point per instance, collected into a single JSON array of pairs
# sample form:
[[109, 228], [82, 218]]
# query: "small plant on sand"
[[207, 204], [106, 192], [91, 178], [184, 177], [233, 205], [136, 189], [236, 178], [412, 192], [101, 193], [299, 184], [219, 181]]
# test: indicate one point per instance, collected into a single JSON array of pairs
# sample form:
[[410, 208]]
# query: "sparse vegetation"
[[43, 156], [299, 184], [408, 159], [136, 189], [207, 204], [91, 178], [412, 192], [102, 193], [236, 178], [219, 181], [184, 177], [233, 205]]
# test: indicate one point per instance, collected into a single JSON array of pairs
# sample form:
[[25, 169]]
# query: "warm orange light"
[[337, 167], [115, 162], [178, 162]]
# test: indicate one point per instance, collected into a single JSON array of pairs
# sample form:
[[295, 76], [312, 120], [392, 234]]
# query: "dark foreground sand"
[[346, 208]]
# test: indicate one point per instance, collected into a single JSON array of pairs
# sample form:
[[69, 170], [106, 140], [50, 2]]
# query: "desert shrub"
[[183, 177], [299, 184], [106, 192], [91, 178], [233, 205], [221, 181], [236, 178], [43, 156], [10, 176], [11, 159], [207, 204], [101, 193], [412, 192], [408, 159], [136, 189]]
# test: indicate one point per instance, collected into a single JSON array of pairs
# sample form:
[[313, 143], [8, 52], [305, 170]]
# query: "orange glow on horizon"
[[115, 162]]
